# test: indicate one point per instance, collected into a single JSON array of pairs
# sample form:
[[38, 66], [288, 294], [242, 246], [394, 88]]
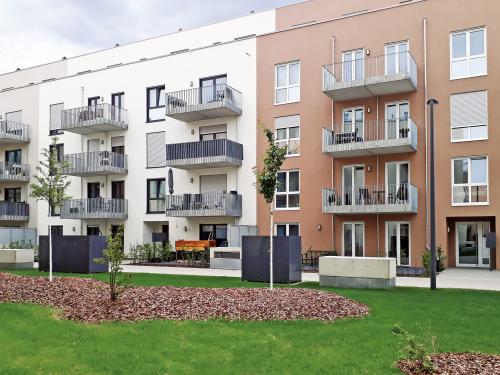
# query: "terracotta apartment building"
[[344, 84]]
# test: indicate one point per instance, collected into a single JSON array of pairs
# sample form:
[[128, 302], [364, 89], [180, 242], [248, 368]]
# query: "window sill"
[[287, 209], [470, 204], [465, 77], [153, 121], [155, 212], [469, 140], [293, 155], [284, 103]]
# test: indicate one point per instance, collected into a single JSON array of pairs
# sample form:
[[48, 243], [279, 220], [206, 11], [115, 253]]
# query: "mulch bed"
[[457, 364], [87, 300]]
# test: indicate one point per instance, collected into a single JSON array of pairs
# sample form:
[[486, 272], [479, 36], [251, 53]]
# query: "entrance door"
[[396, 115], [398, 242], [354, 191], [354, 123], [354, 240], [471, 244]]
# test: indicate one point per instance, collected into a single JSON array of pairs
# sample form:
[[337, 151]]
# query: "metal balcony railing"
[[371, 76], [95, 208], [14, 172], [371, 137], [204, 154], [204, 103], [94, 119], [400, 198], [98, 163], [14, 211], [207, 204], [14, 132]]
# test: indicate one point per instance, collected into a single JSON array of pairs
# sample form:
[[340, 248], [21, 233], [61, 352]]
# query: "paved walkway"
[[454, 278]]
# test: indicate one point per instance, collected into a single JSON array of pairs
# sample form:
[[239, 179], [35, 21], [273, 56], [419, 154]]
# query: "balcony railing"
[[96, 163], [14, 172], [14, 132], [371, 138], [203, 103], [372, 76], [95, 208], [377, 199], [207, 204], [94, 119], [205, 154], [14, 211]]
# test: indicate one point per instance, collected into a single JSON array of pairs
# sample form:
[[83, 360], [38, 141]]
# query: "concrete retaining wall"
[[16, 258]]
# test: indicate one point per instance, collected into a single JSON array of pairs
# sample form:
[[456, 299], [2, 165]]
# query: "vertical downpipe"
[[332, 119], [378, 216], [81, 147], [426, 94]]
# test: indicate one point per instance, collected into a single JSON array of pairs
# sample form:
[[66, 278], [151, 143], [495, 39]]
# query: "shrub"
[[150, 252], [19, 245], [416, 350], [426, 260]]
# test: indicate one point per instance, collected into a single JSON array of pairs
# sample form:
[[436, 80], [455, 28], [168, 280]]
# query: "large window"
[[155, 103], [283, 230], [13, 194], [156, 196], [353, 65], [288, 191], [470, 180], [469, 116], [396, 58], [288, 133], [287, 83], [398, 242], [353, 239], [468, 53]]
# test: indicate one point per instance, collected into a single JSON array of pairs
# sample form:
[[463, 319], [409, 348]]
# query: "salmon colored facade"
[[388, 58]]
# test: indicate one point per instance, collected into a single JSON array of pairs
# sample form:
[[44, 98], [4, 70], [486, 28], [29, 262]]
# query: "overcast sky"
[[37, 31]]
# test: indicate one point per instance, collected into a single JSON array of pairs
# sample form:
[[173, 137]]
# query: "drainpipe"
[[378, 216], [332, 120]]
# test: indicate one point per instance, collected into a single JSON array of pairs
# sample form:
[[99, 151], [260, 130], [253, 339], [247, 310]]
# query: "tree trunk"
[[271, 268], [50, 248]]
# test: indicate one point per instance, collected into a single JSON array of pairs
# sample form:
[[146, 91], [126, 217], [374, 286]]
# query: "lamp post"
[[432, 193]]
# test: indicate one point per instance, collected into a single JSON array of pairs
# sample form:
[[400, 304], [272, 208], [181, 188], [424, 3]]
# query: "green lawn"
[[32, 341]]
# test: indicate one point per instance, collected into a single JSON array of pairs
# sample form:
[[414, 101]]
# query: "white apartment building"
[[126, 116]]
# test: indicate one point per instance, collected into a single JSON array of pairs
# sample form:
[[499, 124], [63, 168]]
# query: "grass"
[[32, 341]]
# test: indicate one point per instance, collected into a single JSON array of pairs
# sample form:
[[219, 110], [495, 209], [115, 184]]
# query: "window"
[[470, 180], [353, 239], [13, 157], [155, 103], [287, 83], [156, 196], [288, 191], [353, 122], [56, 230], [468, 53], [118, 189], [288, 133], [118, 100], [396, 123], [12, 194], [469, 116], [93, 101], [398, 242], [213, 89], [396, 58], [282, 230], [59, 151], [56, 119], [208, 133], [353, 65], [93, 230], [155, 148]]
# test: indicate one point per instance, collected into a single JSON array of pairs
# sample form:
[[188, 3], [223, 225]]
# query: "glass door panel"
[[471, 244], [354, 239], [398, 242]]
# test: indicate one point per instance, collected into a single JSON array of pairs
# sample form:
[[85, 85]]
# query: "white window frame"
[[286, 141], [471, 126], [468, 57], [287, 86], [398, 55], [469, 184], [398, 252], [354, 223], [287, 192], [398, 127], [353, 66], [287, 225], [353, 122]]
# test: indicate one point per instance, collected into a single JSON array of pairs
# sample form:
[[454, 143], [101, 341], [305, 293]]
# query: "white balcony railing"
[[400, 198]]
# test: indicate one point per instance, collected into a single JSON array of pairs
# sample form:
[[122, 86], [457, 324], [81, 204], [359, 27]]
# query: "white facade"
[[235, 58]]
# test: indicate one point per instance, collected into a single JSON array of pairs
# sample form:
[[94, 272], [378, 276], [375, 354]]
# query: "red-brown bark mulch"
[[457, 364], [87, 300]]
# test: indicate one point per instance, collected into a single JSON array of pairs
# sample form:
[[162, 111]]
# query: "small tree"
[[113, 256], [50, 185], [266, 181]]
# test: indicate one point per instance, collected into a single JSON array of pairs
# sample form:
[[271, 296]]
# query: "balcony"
[[203, 103], [96, 163], [201, 205], [14, 211], [373, 76], [380, 137], [94, 119], [378, 199], [95, 208], [205, 154], [14, 172], [14, 133]]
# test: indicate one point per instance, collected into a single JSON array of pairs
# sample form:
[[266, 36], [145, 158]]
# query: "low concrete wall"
[[225, 258], [365, 273], [16, 258]]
